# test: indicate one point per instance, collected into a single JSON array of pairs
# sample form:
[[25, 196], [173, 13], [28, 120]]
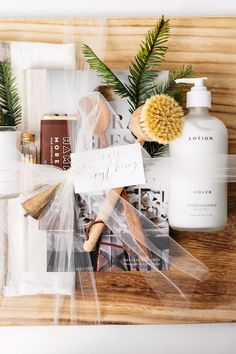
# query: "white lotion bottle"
[[197, 200]]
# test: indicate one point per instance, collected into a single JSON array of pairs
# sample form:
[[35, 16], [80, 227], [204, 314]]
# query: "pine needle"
[[170, 87], [143, 69], [155, 149], [142, 74], [108, 76], [10, 108]]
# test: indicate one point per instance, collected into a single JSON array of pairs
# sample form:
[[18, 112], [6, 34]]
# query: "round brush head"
[[161, 119]]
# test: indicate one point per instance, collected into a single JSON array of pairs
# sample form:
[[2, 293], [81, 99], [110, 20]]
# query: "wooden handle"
[[111, 198], [94, 235], [103, 215], [103, 140], [134, 224]]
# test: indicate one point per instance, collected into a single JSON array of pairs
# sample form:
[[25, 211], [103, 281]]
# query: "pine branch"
[[143, 71], [108, 76], [170, 87], [10, 108], [178, 96], [150, 55], [155, 149]]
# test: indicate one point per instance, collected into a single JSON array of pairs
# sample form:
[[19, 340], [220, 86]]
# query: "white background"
[[194, 339]]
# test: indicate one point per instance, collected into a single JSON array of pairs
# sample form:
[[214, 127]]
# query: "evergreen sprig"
[[10, 108], [170, 87], [155, 149], [143, 69], [108, 76], [142, 74]]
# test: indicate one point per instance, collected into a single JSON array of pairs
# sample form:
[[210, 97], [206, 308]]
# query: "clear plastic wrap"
[[28, 250], [45, 206]]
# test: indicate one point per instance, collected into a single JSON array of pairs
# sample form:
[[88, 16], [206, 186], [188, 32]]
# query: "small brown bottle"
[[29, 149]]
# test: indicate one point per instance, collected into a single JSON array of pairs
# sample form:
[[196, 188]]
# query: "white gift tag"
[[112, 167]]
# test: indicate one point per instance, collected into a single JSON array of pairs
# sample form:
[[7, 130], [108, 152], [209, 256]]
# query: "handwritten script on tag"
[[112, 167]]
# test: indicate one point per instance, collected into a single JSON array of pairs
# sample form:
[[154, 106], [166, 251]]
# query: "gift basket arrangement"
[[95, 166]]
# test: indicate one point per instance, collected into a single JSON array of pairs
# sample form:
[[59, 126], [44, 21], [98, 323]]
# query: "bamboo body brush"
[[159, 119]]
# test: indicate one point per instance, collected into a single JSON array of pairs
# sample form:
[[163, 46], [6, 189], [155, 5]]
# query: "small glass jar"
[[29, 149]]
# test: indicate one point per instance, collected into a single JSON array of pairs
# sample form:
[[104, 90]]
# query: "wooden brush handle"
[[98, 228], [103, 140], [112, 198], [134, 224], [103, 215]]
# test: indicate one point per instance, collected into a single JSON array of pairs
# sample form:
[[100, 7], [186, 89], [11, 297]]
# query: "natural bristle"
[[161, 119]]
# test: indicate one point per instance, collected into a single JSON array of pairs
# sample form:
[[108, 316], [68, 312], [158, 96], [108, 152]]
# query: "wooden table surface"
[[209, 44]]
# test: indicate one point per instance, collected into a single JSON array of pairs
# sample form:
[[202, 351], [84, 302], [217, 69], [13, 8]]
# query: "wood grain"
[[209, 44]]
